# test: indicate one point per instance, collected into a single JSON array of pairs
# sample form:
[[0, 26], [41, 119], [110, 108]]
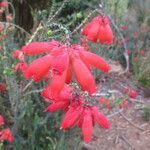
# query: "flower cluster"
[[63, 63], [5, 134], [77, 113], [131, 92], [99, 30], [60, 63]]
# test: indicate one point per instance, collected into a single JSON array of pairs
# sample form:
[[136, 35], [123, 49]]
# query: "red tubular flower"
[[80, 122], [86, 28], [71, 117], [87, 125], [66, 93], [39, 68], [100, 118], [99, 30], [60, 63], [6, 134], [107, 36], [95, 61], [35, 48], [93, 31], [2, 122], [54, 88], [84, 76], [69, 74], [57, 106]]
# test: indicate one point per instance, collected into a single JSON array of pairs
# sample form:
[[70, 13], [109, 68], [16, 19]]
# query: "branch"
[[83, 22], [131, 122], [124, 44], [58, 11], [34, 91], [27, 86], [16, 26]]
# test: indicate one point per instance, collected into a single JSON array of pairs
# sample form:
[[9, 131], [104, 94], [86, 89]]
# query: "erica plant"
[[62, 65]]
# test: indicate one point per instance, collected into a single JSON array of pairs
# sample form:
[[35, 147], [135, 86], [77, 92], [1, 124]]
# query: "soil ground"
[[129, 130]]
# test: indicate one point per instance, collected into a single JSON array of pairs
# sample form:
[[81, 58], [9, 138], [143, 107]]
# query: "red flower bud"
[[6, 134]]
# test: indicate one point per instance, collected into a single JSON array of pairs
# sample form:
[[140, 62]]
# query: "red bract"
[[99, 30], [2, 122], [6, 134]]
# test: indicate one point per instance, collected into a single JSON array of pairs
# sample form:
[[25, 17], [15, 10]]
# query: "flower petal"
[[96, 61], [84, 76], [38, 68]]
